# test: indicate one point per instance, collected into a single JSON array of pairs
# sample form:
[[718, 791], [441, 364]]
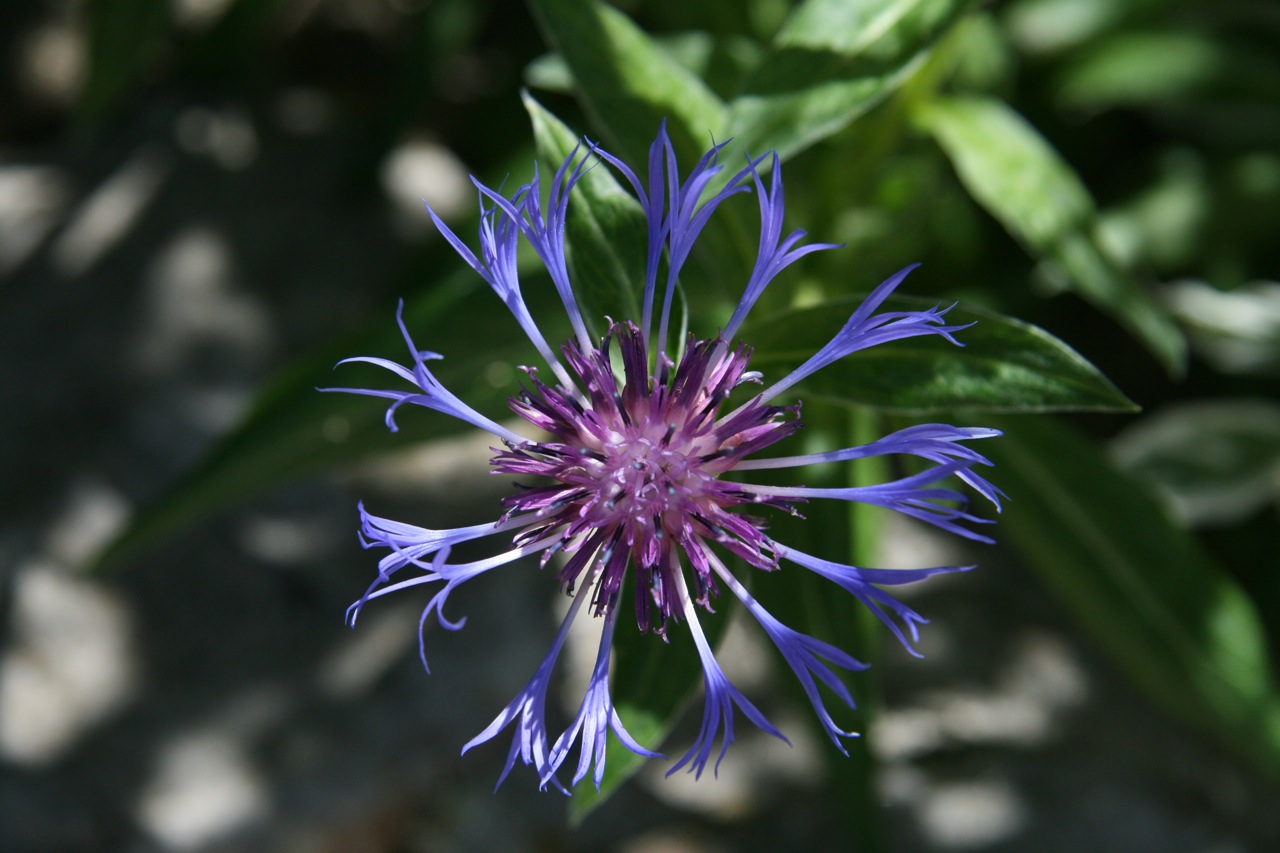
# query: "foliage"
[[1025, 152]]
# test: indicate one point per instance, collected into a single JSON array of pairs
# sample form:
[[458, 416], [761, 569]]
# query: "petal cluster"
[[632, 469]]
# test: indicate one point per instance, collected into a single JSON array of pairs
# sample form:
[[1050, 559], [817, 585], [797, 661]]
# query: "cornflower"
[[631, 465]]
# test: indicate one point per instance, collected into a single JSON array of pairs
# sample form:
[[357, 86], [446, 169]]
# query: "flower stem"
[[858, 779]]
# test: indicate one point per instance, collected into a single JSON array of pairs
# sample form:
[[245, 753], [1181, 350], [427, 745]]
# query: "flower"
[[629, 464]]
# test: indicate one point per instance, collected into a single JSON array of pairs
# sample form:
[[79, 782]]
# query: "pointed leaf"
[[626, 82], [833, 61], [1011, 170], [1151, 69], [1004, 365]]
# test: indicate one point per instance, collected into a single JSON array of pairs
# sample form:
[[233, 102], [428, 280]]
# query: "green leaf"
[[721, 60], [606, 228], [1011, 170], [626, 82], [1138, 67], [1216, 461], [1140, 585], [1047, 27], [293, 430], [831, 62], [1146, 68], [1004, 365], [1236, 331]]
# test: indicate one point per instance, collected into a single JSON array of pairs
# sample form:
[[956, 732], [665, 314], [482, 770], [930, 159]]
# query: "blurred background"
[[205, 203]]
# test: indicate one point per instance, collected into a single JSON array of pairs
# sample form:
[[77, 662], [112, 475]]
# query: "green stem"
[[865, 525]]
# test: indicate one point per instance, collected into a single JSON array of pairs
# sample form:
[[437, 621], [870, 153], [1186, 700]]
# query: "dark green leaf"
[[1140, 585], [1017, 176], [1004, 365], [606, 228], [626, 82], [832, 62]]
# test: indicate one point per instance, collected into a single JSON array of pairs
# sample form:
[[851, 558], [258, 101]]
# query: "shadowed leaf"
[[1140, 585]]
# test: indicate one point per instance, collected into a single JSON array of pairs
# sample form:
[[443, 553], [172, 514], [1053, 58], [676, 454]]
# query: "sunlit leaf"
[[1004, 365], [1053, 26], [720, 60], [1237, 331], [1017, 176], [627, 83], [831, 62], [1141, 67], [1165, 224]]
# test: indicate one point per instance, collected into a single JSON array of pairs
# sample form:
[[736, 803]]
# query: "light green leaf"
[[606, 228], [1235, 331], [831, 62], [627, 83], [714, 58], [1004, 365], [1140, 585], [1011, 170], [1055, 26]]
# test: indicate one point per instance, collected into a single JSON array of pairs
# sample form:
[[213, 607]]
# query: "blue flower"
[[628, 465]]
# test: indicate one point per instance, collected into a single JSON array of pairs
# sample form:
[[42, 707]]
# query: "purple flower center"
[[635, 465]]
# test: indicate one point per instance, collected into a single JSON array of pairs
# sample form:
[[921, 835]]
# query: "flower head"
[[627, 464]]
